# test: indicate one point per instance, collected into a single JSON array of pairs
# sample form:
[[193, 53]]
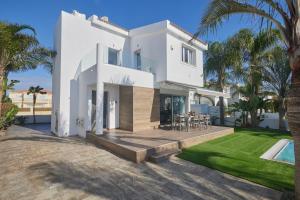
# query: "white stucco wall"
[[151, 41], [126, 76], [75, 37], [81, 101], [163, 43], [114, 76], [55, 117], [178, 71], [113, 105]]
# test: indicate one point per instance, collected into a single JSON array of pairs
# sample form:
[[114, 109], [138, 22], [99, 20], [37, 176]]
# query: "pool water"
[[287, 153]]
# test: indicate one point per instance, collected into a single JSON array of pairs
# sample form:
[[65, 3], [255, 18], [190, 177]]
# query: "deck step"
[[171, 146], [163, 156]]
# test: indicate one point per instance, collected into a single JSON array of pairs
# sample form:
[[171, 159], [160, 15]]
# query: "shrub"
[[20, 120], [8, 115]]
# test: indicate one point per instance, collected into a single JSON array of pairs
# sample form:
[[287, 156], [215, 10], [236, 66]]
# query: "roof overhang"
[[186, 36], [198, 90], [204, 91]]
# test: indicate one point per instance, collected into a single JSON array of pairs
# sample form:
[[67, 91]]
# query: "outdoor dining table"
[[188, 119]]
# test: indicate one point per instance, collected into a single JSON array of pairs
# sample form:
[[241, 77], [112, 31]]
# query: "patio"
[[142, 145], [40, 166]]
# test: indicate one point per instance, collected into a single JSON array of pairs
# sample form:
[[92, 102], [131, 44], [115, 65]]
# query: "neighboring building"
[[110, 77], [25, 102]]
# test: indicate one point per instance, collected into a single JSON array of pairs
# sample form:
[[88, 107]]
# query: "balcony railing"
[[117, 58], [128, 60]]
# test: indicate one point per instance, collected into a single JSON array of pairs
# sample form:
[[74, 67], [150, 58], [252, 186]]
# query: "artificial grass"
[[238, 154]]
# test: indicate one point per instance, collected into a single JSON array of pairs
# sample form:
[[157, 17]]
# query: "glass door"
[[165, 109], [170, 106], [178, 105]]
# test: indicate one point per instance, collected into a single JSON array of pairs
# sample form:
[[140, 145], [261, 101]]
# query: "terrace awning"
[[198, 90]]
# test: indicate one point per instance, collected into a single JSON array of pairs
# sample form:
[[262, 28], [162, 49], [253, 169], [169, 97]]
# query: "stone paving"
[[41, 166]]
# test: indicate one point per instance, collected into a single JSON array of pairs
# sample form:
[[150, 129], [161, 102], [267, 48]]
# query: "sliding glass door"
[[165, 109], [169, 106]]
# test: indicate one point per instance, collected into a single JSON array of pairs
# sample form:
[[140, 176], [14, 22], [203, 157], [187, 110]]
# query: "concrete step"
[[163, 156], [171, 146]]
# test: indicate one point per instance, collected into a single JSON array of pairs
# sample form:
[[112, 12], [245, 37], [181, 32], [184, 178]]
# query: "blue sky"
[[42, 15]]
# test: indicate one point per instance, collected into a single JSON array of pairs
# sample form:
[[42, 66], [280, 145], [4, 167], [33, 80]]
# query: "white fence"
[[206, 109], [213, 111], [270, 120]]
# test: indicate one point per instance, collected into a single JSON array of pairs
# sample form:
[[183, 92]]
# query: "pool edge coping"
[[274, 150]]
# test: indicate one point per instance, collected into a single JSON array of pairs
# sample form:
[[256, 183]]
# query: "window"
[[188, 55], [138, 59], [113, 56]]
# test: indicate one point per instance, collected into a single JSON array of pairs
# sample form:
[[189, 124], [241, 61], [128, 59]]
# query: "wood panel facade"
[[139, 108], [126, 108]]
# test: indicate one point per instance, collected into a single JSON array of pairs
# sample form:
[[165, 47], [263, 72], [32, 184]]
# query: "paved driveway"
[[41, 166]]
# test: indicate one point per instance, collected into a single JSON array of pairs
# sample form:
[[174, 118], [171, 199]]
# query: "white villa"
[[107, 77]]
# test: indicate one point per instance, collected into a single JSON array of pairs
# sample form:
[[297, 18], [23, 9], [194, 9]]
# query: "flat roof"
[[171, 23], [188, 33]]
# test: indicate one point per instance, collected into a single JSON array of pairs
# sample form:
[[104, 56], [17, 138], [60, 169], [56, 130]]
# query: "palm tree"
[[34, 91], [8, 86], [242, 106], [20, 50], [285, 16], [252, 49], [216, 67], [277, 79], [252, 101], [220, 62]]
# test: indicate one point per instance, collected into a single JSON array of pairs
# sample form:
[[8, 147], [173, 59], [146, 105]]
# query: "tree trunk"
[[281, 112], [33, 108], [22, 104], [1, 88], [4, 85], [293, 114], [221, 104], [253, 114]]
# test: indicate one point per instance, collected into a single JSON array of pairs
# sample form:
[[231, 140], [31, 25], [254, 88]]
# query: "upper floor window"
[[113, 56], [138, 59], [188, 55]]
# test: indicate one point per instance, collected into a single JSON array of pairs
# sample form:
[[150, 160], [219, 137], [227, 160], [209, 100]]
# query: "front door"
[[105, 105]]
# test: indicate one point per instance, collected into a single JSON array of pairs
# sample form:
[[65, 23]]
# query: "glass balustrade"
[[118, 57], [133, 60]]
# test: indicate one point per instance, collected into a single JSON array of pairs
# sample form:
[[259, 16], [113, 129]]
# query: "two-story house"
[[108, 77]]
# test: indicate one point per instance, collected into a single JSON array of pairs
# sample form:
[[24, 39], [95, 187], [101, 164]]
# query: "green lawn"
[[238, 154]]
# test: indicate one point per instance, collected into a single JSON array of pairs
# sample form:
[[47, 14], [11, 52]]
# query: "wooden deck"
[[139, 146]]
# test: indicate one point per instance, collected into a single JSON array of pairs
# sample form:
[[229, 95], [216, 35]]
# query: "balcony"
[[133, 60], [118, 58]]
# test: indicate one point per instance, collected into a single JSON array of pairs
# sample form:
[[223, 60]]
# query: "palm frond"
[[220, 10], [277, 73], [265, 39], [17, 28]]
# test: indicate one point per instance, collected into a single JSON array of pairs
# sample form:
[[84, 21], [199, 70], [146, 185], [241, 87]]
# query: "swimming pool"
[[286, 154]]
